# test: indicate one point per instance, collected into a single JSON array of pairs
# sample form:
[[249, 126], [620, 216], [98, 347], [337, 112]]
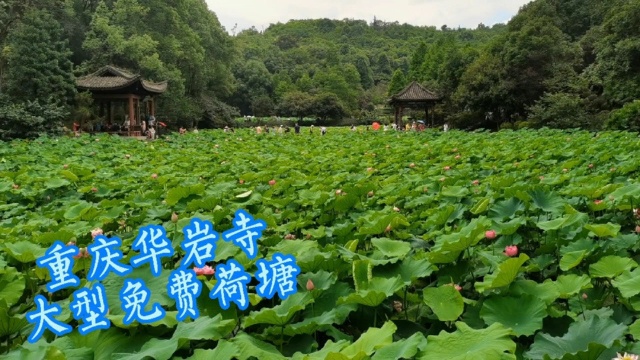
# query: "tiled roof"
[[414, 92], [113, 78]]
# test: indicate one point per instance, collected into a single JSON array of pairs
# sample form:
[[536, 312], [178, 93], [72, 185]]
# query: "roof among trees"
[[415, 92], [112, 78]]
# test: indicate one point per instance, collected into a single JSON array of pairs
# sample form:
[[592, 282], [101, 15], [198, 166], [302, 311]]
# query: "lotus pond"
[[419, 245]]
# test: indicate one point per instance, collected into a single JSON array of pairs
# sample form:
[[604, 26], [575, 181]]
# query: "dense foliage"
[[557, 63], [408, 239]]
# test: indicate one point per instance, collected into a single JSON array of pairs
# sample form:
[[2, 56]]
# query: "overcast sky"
[[453, 13]]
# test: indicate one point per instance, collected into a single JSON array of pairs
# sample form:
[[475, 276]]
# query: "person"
[[323, 130], [353, 128], [195, 130], [143, 126], [413, 126], [445, 127], [266, 129], [385, 127], [287, 129], [296, 127], [311, 129], [258, 130], [76, 127], [126, 123], [226, 129], [152, 121], [280, 129], [151, 134], [182, 130]]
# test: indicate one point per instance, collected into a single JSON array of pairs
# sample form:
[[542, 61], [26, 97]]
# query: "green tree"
[[398, 82], [297, 104], [38, 60], [617, 65]]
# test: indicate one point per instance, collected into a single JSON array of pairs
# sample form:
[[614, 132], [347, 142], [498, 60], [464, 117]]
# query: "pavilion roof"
[[112, 78], [414, 92]]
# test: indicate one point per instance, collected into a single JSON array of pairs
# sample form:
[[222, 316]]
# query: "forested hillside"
[[557, 63]]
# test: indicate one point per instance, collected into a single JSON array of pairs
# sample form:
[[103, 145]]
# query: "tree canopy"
[[557, 63]]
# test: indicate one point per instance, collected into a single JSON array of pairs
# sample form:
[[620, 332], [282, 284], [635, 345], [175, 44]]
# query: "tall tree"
[[397, 83], [38, 59]]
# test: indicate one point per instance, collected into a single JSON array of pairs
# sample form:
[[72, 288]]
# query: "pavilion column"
[[153, 107], [131, 113], [426, 114], [397, 108]]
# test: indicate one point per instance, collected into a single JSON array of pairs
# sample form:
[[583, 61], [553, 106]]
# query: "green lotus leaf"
[[362, 274], [523, 314], [481, 206], [24, 251], [391, 248], [371, 340], [12, 285], [569, 285], [628, 283], [506, 209], [454, 191], [546, 201], [611, 266], [251, 348], [572, 259], [323, 312], [204, 328], [224, 350], [280, 314], [376, 292], [504, 275], [322, 280], [466, 343], [10, 325], [604, 230], [402, 349], [159, 349], [74, 212], [445, 301], [586, 339]]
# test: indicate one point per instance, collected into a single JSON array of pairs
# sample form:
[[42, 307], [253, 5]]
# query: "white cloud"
[[453, 13]]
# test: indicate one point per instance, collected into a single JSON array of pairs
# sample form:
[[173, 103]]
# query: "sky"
[[453, 13]]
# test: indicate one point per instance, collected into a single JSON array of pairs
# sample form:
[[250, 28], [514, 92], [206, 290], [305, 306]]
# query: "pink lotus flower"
[[584, 296], [511, 251], [476, 182], [338, 192], [457, 157], [83, 253], [370, 194], [490, 234], [396, 209], [154, 176], [310, 285], [206, 270], [369, 169], [412, 165], [65, 166], [597, 202], [590, 166], [95, 232], [94, 189], [16, 186], [447, 168]]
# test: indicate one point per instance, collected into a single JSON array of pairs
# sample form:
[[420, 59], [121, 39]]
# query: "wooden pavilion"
[[414, 96], [122, 97]]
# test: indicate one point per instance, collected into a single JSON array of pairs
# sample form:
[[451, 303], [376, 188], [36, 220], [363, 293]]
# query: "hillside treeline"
[[557, 63]]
